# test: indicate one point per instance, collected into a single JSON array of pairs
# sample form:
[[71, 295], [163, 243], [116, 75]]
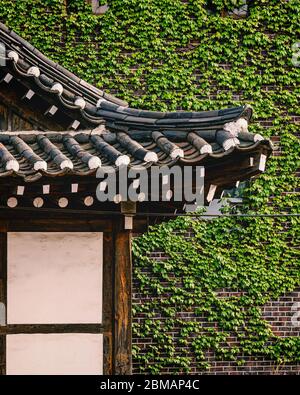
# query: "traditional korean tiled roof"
[[31, 155], [105, 131]]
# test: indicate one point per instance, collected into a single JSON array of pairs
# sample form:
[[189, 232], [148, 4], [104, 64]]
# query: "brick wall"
[[280, 313]]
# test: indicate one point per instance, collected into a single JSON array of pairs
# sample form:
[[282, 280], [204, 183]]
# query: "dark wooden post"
[[108, 297], [123, 273], [123, 297], [3, 286]]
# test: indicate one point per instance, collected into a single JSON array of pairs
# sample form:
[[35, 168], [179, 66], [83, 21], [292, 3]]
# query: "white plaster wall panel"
[[54, 354], [54, 278]]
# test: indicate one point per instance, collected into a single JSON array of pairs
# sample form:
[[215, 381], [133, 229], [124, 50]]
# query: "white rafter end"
[[75, 124], [63, 202], [46, 189], [20, 190], [88, 201], [38, 202], [52, 110], [8, 78], [262, 162], [74, 188], [12, 202], [29, 94]]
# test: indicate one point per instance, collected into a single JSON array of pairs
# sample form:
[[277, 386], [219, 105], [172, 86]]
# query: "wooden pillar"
[[108, 302], [122, 300], [3, 298]]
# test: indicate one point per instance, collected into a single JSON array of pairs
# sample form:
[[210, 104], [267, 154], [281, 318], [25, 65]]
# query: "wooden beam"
[[122, 300], [3, 297], [51, 328], [58, 224], [108, 305]]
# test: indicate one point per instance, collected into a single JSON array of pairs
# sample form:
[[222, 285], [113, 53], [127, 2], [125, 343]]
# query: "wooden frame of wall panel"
[[116, 309], [3, 292]]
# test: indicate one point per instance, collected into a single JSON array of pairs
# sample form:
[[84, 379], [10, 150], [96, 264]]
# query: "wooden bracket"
[[128, 207]]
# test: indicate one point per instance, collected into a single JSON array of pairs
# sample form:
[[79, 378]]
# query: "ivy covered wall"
[[194, 55]]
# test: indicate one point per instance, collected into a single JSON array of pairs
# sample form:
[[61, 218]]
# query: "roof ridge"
[[33, 52], [94, 106]]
